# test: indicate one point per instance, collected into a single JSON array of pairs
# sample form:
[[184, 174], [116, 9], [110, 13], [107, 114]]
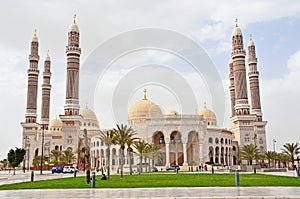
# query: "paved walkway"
[[143, 193]]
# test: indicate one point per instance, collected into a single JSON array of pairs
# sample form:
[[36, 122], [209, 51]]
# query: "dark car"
[[57, 170], [154, 169], [174, 168]]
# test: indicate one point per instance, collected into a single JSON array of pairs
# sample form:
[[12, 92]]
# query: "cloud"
[[281, 104]]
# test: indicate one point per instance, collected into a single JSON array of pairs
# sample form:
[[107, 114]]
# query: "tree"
[[140, 147], [291, 149], [55, 156], [249, 152], [151, 153], [15, 157], [37, 160], [121, 136], [68, 156], [107, 138], [270, 155], [283, 158]]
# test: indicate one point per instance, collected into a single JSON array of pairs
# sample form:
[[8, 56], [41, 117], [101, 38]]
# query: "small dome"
[[172, 112], [250, 43], [208, 115], [55, 123], [34, 38], [74, 27], [47, 57], [144, 109], [236, 29], [88, 114]]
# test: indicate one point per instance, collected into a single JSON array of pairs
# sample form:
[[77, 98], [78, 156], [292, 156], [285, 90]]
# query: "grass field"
[[161, 180]]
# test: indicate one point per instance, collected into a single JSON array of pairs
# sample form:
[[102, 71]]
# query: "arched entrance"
[[158, 139], [193, 151], [176, 149]]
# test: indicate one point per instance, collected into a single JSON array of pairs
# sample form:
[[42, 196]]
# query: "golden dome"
[[208, 115], [55, 123], [88, 114], [144, 109]]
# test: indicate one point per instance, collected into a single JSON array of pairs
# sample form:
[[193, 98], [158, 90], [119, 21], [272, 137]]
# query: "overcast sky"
[[274, 26]]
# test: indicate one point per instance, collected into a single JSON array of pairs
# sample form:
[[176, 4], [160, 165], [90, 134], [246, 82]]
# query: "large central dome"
[[144, 109]]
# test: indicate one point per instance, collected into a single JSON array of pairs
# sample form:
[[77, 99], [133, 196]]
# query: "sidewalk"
[[143, 193]]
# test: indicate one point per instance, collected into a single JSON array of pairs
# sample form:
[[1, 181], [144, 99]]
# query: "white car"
[[69, 169]]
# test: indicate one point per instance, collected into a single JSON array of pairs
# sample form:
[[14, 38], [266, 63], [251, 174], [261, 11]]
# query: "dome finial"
[[47, 56], [74, 18], [145, 94], [204, 105], [236, 22], [34, 38]]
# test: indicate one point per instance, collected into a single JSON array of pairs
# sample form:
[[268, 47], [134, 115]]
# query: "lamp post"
[[43, 128], [274, 141]]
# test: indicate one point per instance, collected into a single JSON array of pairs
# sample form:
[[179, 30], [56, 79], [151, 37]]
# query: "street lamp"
[[274, 141], [43, 128]]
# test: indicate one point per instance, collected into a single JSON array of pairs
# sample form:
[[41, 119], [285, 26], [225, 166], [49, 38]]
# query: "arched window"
[[161, 140], [217, 140], [210, 140], [222, 140], [233, 148]]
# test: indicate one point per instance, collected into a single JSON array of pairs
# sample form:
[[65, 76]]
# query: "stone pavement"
[[143, 193]]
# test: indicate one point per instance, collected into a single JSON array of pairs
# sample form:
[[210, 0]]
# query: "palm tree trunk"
[[122, 162], [108, 163], [130, 165], [141, 163]]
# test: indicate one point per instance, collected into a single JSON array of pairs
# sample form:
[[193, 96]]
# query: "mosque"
[[185, 140]]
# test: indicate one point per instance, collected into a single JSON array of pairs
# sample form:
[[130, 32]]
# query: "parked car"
[[174, 168], [69, 169], [154, 169], [57, 170]]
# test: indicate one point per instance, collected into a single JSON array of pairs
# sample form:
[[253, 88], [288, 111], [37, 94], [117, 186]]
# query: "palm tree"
[[283, 158], [107, 138], [270, 155], [249, 152], [121, 135], [140, 147], [68, 156], [130, 152], [55, 156], [151, 153], [291, 149]]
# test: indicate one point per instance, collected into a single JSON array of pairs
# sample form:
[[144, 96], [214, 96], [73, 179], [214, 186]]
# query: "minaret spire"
[[254, 80], [33, 74], [239, 72], [73, 60], [46, 91]]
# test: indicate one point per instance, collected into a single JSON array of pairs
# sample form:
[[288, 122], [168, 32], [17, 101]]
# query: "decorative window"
[[210, 140], [161, 140], [217, 140]]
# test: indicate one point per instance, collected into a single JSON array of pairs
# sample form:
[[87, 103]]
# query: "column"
[[201, 153], [167, 154], [185, 163]]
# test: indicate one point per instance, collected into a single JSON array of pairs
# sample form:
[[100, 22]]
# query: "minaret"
[[73, 52], [253, 75], [71, 119], [30, 126], [46, 91], [231, 88], [239, 72], [33, 75]]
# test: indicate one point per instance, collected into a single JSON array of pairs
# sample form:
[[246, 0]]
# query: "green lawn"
[[161, 180]]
